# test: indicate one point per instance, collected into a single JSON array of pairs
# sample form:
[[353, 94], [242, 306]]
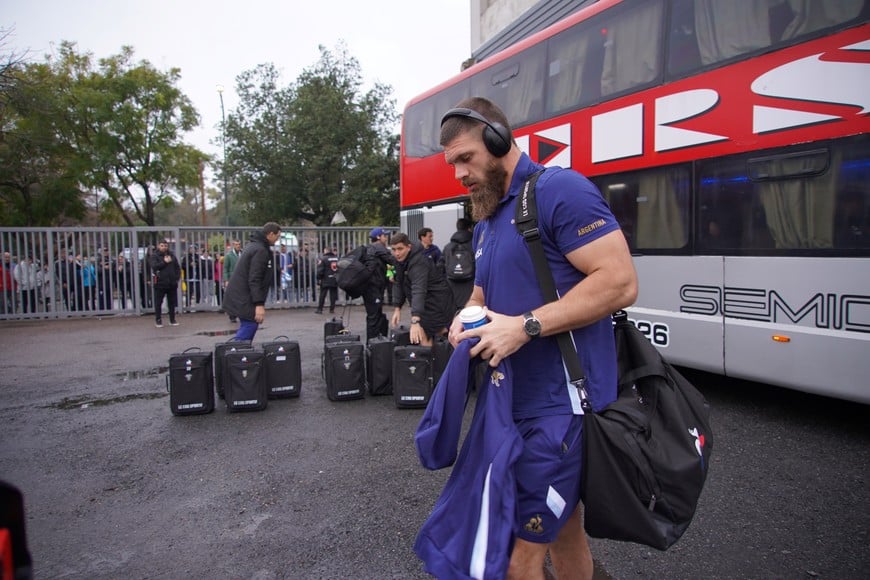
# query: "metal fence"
[[74, 272]]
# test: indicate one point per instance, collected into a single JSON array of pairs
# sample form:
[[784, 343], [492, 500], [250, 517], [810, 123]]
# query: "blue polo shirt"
[[571, 213]]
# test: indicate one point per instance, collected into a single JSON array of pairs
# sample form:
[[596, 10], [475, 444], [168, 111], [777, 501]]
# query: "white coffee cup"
[[472, 317]]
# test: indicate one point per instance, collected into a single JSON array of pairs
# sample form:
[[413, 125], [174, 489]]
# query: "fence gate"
[[74, 272]]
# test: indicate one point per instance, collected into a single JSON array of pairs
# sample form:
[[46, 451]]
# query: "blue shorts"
[[548, 475]]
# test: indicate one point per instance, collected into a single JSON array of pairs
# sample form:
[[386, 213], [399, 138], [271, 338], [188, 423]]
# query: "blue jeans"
[[247, 330]]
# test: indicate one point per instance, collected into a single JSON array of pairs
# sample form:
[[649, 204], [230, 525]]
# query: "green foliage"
[[115, 126], [38, 180], [105, 137], [320, 145]]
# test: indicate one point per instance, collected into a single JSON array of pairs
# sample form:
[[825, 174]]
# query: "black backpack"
[[459, 261], [353, 274]]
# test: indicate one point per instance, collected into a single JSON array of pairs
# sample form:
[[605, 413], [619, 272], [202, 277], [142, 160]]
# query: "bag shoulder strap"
[[526, 219]]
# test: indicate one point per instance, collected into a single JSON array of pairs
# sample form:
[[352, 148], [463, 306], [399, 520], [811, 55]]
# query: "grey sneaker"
[[159, 324]]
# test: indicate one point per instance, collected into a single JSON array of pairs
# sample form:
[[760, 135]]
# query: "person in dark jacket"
[[167, 273], [377, 256], [421, 283], [460, 286], [327, 266], [253, 277]]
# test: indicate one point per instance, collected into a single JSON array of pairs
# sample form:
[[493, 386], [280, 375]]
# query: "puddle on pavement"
[[216, 332], [68, 403], [146, 374]]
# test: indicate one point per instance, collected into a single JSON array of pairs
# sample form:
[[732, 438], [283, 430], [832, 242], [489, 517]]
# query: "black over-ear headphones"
[[496, 136]]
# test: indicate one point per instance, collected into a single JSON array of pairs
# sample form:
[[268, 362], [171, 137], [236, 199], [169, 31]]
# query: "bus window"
[[726, 29], [422, 122], [516, 85], [852, 211], [632, 53], [796, 194], [814, 200], [651, 206], [705, 32], [728, 219], [574, 68], [806, 16]]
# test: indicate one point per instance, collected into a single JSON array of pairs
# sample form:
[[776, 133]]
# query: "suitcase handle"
[[190, 349], [281, 336]]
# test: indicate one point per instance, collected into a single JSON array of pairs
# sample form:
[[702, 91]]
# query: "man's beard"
[[484, 200]]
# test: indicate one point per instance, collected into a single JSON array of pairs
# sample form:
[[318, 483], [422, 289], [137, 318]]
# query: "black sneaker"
[[318, 311], [173, 323], [158, 323]]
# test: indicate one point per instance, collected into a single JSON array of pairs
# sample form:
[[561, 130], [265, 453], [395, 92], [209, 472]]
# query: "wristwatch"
[[531, 325], [415, 321]]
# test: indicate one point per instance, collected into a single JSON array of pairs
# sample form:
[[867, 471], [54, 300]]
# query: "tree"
[[316, 147], [38, 184], [260, 159], [70, 128], [124, 122]]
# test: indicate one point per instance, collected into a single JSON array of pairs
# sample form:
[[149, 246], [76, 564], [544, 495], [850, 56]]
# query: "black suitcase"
[[220, 349], [412, 376], [344, 370], [244, 381], [190, 382], [379, 365], [441, 351], [283, 367], [401, 335], [334, 326]]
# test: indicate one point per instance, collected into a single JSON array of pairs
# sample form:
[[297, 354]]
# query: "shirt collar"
[[524, 168]]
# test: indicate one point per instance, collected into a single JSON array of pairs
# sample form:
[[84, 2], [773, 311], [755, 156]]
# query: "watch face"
[[532, 326]]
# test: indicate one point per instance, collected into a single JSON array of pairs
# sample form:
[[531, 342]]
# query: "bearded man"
[[594, 274]]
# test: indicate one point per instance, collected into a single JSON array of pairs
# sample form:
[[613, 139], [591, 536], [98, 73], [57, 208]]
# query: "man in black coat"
[[253, 277], [167, 273], [327, 266], [377, 258], [420, 282]]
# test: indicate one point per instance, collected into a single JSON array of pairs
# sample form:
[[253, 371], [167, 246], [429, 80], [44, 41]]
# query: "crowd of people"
[[108, 281], [105, 280]]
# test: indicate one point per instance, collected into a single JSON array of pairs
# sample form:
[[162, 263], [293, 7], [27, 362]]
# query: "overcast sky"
[[411, 45]]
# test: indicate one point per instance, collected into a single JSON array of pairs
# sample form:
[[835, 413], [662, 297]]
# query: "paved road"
[[116, 487]]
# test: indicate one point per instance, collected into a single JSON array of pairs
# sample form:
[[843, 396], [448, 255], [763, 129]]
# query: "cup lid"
[[471, 314]]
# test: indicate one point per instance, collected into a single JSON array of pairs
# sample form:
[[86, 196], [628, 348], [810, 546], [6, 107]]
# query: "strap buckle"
[[580, 385], [532, 234]]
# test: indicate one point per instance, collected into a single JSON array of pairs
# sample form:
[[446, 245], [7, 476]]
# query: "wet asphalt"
[[117, 487]]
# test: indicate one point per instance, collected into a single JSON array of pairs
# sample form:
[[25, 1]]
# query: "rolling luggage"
[[401, 335], [379, 365], [412, 376], [441, 351], [331, 327], [219, 350], [283, 368], [244, 381], [344, 370], [190, 382]]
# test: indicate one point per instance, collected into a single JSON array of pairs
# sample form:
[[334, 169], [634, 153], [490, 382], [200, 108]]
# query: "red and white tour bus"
[[731, 141]]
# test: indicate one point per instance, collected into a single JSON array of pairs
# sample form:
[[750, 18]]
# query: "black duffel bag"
[[646, 455]]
